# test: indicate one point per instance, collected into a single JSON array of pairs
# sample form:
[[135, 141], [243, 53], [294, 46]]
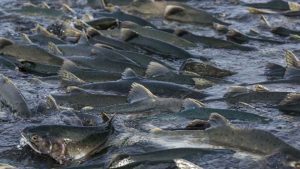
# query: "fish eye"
[[34, 138]]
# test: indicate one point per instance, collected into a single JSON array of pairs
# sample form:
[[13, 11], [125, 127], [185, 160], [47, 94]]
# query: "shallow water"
[[248, 65]]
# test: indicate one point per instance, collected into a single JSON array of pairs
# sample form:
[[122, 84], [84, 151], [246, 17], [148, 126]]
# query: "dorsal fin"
[[68, 78], [83, 39], [45, 5], [129, 74], [290, 99], [173, 9], [138, 93], [155, 69], [291, 59], [51, 103], [26, 38], [67, 8], [5, 42], [41, 30], [261, 88], [217, 120], [127, 34], [189, 103], [265, 21], [87, 17], [52, 48], [184, 164]]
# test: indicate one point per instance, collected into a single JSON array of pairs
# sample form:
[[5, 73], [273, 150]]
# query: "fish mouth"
[[30, 144]]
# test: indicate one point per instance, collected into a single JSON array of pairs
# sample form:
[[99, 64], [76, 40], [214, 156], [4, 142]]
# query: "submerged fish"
[[159, 35], [204, 69], [156, 71], [122, 16], [28, 52], [39, 11], [272, 4], [153, 45], [167, 155], [190, 15], [290, 104], [159, 88], [11, 96], [211, 41], [78, 98], [67, 143], [140, 100]]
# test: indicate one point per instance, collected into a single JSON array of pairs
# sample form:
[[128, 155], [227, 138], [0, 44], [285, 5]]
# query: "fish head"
[[173, 12], [37, 140]]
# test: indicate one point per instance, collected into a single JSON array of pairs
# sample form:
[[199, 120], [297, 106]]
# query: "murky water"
[[248, 65]]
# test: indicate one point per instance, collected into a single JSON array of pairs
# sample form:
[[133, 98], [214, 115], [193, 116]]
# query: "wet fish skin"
[[159, 35], [67, 143], [211, 41], [159, 88], [272, 4], [204, 69], [165, 155], [39, 11], [122, 16], [190, 15], [32, 53], [282, 31], [140, 100], [37, 68], [79, 98], [12, 97], [154, 46], [104, 23]]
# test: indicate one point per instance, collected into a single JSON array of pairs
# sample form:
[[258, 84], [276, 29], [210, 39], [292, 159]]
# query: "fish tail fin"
[[274, 71]]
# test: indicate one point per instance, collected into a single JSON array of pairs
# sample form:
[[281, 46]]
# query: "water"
[[248, 65]]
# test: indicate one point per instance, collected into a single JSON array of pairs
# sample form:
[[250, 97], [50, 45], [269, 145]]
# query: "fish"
[[190, 15], [65, 143], [158, 35], [254, 140], [272, 4], [79, 98], [282, 31], [34, 10], [290, 104], [122, 16], [238, 37], [11, 96], [196, 110], [204, 69], [259, 95], [88, 74], [211, 41], [104, 23], [7, 63], [257, 141], [97, 38], [141, 100], [159, 156], [37, 68], [156, 71], [123, 86], [28, 52], [154, 46], [184, 164]]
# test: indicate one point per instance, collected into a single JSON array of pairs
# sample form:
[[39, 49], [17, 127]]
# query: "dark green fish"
[[211, 41], [290, 104], [11, 96], [40, 11], [122, 16], [28, 52], [104, 23], [141, 100], [166, 155], [204, 69], [67, 143], [272, 4], [78, 98], [190, 15], [282, 31], [154, 46], [159, 88]]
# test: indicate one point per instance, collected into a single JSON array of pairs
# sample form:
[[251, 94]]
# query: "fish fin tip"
[[139, 92], [156, 69]]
